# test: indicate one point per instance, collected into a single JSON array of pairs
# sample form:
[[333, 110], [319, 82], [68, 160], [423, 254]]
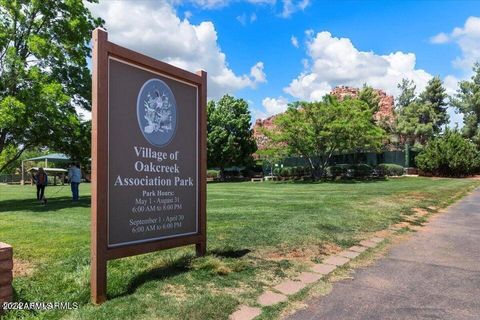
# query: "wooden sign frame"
[[100, 252]]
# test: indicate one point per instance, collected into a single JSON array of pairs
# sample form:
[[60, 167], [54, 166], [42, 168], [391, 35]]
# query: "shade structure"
[[54, 157]]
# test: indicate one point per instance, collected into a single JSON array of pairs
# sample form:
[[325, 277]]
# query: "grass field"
[[258, 234]]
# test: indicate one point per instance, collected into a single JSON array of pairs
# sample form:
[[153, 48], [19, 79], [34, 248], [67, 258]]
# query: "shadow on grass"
[[53, 204], [227, 253], [173, 268]]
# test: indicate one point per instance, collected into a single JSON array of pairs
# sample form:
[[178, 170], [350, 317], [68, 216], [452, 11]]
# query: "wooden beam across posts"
[[168, 133]]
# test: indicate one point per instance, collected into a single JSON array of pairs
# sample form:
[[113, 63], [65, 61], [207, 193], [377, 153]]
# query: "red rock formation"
[[386, 105], [258, 135], [384, 114]]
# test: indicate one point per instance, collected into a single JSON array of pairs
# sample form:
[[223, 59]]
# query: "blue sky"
[[271, 52]]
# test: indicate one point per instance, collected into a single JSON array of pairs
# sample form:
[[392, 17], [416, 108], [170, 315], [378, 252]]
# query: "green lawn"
[[258, 233]]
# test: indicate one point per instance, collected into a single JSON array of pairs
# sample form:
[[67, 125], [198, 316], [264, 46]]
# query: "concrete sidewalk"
[[433, 275]]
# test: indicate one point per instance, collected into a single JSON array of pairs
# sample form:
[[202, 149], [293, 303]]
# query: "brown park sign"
[[148, 157]]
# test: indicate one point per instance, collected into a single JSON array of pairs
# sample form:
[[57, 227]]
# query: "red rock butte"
[[385, 112]]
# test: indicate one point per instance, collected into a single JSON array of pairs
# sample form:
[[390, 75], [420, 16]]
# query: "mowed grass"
[[258, 234]]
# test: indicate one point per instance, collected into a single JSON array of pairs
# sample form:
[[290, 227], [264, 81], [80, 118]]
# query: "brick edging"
[[6, 274]]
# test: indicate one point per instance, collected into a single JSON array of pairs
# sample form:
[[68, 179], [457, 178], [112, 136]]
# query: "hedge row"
[[359, 171], [292, 171]]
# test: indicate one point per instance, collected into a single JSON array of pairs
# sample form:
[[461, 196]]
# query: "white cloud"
[[294, 41], [450, 83], [440, 38], [188, 14], [274, 105], [262, 2], [468, 39], [208, 4], [335, 61], [154, 28], [284, 8], [256, 72], [242, 19], [292, 6]]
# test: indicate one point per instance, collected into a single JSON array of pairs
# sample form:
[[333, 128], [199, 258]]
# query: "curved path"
[[433, 275]]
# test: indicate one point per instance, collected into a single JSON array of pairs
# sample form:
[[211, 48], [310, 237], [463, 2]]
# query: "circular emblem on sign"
[[157, 112]]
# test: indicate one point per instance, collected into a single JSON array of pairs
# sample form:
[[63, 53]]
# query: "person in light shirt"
[[74, 176]]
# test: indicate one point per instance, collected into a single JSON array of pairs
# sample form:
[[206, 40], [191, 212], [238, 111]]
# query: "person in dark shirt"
[[41, 181]]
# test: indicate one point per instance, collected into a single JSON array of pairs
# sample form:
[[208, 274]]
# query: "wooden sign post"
[[148, 157]]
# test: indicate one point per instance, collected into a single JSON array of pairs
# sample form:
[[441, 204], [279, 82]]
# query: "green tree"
[[230, 136], [372, 98], [368, 95], [435, 95], [416, 123], [318, 129], [449, 155], [44, 45], [407, 94], [418, 120], [467, 101]]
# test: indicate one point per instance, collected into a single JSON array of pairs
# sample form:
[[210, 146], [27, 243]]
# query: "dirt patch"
[[304, 253], [178, 292], [22, 268], [420, 212], [237, 290], [383, 233], [411, 195]]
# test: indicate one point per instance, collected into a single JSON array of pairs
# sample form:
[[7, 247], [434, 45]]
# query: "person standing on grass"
[[41, 181], [74, 176]]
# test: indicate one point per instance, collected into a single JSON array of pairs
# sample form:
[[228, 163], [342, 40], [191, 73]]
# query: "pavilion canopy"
[[54, 157], [50, 170]]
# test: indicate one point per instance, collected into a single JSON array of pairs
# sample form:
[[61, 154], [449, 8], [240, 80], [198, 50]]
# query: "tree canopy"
[[467, 101], [407, 93], [44, 46], [368, 95], [435, 95], [449, 154], [230, 136], [421, 118], [316, 130]]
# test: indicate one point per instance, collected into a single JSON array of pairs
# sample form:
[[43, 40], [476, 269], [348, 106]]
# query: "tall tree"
[[407, 94], [416, 123], [44, 46], [467, 101], [230, 136], [435, 95], [368, 95], [417, 119], [318, 129]]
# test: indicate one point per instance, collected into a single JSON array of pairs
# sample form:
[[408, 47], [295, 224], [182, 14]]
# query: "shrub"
[[213, 174], [276, 171], [291, 171], [449, 155], [362, 170], [245, 173], [389, 169], [350, 171], [338, 170], [231, 173]]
